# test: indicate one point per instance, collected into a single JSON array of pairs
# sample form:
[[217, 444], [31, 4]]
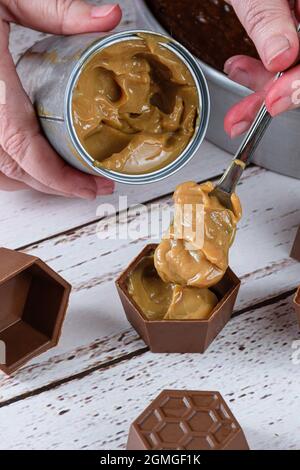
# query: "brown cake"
[[210, 29]]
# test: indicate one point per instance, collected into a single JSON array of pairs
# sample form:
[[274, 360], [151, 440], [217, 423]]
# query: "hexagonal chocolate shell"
[[33, 303], [187, 420], [295, 253], [297, 305], [179, 336]]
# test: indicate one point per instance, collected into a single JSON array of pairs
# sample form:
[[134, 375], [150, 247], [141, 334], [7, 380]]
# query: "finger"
[[248, 72], [240, 117], [284, 95], [271, 26], [63, 16], [104, 186], [21, 139], [7, 184], [10, 168], [18, 177]]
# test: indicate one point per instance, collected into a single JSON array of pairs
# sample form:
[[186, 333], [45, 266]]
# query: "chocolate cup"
[[33, 303], [297, 305], [295, 253], [179, 336], [187, 420]]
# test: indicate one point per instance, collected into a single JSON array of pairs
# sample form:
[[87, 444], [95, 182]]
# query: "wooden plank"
[[95, 320], [250, 364], [41, 216]]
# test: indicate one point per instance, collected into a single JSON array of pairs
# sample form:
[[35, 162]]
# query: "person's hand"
[[26, 158], [271, 24]]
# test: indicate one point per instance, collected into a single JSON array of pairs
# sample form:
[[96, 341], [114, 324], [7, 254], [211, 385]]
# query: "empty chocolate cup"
[[179, 336], [295, 253], [297, 305], [33, 303], [187, 420]]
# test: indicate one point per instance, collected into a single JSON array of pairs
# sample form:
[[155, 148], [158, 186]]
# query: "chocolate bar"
[[187, 420]]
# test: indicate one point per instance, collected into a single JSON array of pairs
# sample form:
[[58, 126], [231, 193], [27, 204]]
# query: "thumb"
[[63, 16], [271, 26]]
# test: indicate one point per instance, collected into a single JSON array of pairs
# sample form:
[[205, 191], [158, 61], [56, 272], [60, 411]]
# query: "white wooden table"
[[84, 393]]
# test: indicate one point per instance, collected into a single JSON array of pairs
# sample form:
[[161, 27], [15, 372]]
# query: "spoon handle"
[[230, 179], [255, 133], [245, 153]]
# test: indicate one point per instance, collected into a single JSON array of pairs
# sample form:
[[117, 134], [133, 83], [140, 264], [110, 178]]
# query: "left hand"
[[27, 160]]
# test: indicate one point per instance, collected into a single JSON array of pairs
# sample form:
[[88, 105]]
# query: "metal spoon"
[[227, 184]]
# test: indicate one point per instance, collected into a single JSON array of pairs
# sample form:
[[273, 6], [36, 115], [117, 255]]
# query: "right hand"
[[271, 24]]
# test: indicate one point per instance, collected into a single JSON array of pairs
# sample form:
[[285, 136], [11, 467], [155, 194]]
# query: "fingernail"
[[274, 47], [87, 194], [239, 129], [228, 65], [105, 190], [280, 105], [103, 11], [104, 186], [240, 76]]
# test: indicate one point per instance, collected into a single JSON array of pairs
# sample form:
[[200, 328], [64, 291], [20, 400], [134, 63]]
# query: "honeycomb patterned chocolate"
[[187, 420]]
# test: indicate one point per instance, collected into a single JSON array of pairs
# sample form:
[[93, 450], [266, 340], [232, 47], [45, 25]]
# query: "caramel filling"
[[161, 301], [150, 293], [191, 303], [135, 106], [195, 250]]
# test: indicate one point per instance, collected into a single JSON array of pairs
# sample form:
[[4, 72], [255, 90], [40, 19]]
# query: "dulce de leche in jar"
[[132, 106], [140, 107]]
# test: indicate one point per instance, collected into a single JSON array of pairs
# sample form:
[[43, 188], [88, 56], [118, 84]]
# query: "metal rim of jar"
[[202, 123]]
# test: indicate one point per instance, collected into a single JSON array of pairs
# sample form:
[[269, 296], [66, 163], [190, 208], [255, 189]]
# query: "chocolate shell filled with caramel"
[[172, 318], [138, 106], [179, 294]]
